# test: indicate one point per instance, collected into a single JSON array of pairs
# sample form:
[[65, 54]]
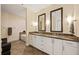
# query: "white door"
[[58, 46]]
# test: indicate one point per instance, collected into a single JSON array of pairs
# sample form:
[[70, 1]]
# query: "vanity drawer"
[[70, 43]]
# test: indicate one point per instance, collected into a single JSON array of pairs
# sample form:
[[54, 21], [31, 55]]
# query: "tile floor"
[[19, 48]]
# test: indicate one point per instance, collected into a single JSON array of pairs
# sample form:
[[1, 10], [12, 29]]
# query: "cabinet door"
[[58, 46], [68, 50], [48, 45], [39, 42], [45, 44], [32, 40]]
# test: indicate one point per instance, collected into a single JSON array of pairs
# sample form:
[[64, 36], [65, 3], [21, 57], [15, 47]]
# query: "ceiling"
[[14, 9], [20, 9], [36, 7]]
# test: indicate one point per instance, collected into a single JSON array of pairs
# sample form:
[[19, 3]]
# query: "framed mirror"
[[56, 20], [42, 22]]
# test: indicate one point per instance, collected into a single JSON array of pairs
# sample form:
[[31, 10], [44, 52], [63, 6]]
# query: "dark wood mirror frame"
[[44, 22], [61, 19]]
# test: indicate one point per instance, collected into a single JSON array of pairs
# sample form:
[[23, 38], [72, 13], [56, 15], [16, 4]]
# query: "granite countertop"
[[57, 35]]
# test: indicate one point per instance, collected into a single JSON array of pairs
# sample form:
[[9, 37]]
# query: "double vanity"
[[55, 43]]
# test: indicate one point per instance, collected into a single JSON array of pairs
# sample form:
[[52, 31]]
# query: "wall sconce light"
[[71, 20], [34, 24], [47, 22]]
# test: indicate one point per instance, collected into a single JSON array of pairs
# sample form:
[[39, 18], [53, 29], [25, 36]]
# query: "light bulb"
[[47, 22], [69, 19], [34, 24]]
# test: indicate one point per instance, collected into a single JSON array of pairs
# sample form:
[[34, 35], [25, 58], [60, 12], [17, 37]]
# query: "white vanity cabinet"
[[32, 40], [44, 44], [70, 48], [39, 43], [58, 46], [36, 41], [54, 46], [64, 47]]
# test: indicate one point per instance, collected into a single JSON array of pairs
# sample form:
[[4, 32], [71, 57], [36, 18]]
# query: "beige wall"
[[76, 8], [9, 19], [68, 10], [16, 22]]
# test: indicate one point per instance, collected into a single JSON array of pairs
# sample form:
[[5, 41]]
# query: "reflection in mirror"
[[56, 20], [42, 22]]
